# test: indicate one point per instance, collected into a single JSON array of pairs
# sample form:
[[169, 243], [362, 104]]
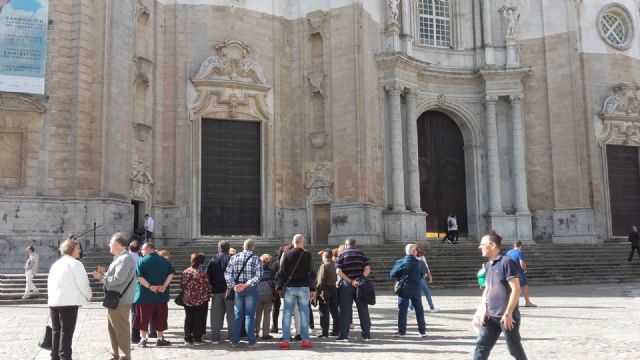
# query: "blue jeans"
[[489, 334], [347, 295], [427, 294], [403, 304], [244, 307], [296, 296]]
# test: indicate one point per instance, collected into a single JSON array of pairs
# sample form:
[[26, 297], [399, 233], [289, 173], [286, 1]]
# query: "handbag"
[[282, 291], [231, 294], [112, 297], [45, 341]]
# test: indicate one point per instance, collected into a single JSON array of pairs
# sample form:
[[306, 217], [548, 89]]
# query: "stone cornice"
[[495, 73], [401, 61]]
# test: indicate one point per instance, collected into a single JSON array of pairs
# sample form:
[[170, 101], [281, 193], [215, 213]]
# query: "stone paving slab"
[[598, 321]]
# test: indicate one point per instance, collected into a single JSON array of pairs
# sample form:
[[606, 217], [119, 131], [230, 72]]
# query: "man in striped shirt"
[[352, 266], [244, 282]]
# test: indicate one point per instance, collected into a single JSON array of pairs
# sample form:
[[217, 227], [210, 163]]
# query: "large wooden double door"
[[230, 188], [442, 171], [623, 164]]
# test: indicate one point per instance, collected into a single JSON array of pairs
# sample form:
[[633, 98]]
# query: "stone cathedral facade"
[[374, 119]]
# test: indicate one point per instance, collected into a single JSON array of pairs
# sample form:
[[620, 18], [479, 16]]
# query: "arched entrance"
[[442, 171]]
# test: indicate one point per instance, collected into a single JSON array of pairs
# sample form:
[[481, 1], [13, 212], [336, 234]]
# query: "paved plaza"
[[599, 321]]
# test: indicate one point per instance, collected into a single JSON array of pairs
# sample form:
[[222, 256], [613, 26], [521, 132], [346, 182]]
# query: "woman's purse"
[[45, 341], [231, 294]]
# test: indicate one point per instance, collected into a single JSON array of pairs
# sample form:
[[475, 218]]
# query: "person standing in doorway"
[[453, 229], [447, 235], [500, 299], [517, 255], [30, 271], [149, 224], [634, 239]]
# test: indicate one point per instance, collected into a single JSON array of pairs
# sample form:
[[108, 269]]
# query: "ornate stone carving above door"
[[230, 85], [621, 115], [141, 182]]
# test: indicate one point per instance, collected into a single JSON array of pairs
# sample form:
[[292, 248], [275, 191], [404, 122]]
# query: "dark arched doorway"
[[442, 175]]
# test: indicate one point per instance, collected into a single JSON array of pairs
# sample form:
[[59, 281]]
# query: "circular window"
[[615, 26]]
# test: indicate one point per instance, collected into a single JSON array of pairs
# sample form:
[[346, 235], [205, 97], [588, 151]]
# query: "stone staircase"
[[452, 266]]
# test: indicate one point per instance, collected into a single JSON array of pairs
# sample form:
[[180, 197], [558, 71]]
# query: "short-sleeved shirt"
[[155, 269], [517, 255], [498, 273], [352, 263]]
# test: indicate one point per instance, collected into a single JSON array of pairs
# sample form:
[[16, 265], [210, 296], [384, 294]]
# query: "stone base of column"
[[404, 226], [574, 226], [359, 221], [512, 227]]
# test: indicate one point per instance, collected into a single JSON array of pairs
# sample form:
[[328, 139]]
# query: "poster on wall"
[[23, 45]]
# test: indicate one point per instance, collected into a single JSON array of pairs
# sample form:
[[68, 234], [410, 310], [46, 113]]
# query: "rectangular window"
[[434, 23]]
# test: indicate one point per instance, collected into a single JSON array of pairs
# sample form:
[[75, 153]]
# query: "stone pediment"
[[21, 102], [231, 63], [621, 115], [623, 104]]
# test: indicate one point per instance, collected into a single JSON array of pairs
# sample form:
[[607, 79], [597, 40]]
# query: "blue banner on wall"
[[23, 45]]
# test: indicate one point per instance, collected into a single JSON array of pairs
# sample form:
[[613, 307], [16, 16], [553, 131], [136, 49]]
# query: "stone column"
[[397, 166], [493, 165], [519, 168], [489, 58], [407, 39], [412, 144]]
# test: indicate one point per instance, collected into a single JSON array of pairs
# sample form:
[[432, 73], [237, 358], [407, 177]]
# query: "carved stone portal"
[[231, 63], [621, 115], [319, 185], [141, 182]]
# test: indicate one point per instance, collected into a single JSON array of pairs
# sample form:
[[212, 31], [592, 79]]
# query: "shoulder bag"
[[45, 338], [295, 267], [231, 294], [112, 298]]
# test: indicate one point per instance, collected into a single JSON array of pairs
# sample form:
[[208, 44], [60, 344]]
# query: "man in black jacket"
[[219, 305], [297, 278], [634, 239]]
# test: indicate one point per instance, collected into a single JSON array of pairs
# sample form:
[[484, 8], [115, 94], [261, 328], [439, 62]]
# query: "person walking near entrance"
[[452, 223], [410, 271], [30, 271], [352, 267], [517, 255], [296, 278], [149, 225], [634, 239], [500, 297]]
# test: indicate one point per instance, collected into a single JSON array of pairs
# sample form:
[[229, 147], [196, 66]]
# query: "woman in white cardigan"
[[68, 288]]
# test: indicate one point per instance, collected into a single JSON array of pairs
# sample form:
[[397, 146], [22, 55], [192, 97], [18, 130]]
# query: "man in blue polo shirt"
[[501, 298], [352, 266], [517, 255]]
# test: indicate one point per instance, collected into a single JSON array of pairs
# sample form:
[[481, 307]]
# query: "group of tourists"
[[248, 290]]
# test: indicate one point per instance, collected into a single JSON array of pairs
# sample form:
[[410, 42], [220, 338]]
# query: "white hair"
[[297, 239], [409, 249], [249, 244]]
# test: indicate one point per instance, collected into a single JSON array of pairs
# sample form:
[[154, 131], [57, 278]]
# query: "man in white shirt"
[[148, 227]]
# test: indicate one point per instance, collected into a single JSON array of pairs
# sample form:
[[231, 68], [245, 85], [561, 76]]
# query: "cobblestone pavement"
[[599, 321]]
